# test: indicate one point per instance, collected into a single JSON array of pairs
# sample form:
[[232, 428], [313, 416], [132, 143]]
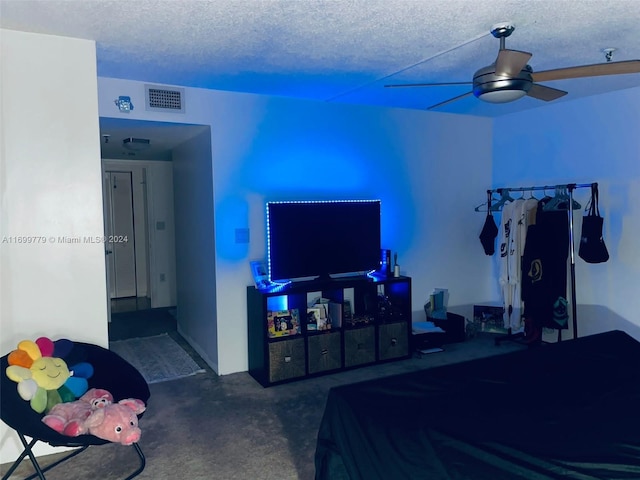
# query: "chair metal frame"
[[28, 452]]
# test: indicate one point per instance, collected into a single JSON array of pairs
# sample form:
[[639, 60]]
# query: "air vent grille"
[[164, 99]]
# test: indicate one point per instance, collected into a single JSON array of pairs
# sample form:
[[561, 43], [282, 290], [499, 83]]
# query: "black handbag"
[[592, 247], [489, 234]]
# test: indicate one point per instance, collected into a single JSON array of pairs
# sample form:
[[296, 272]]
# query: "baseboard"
[[199, 351]]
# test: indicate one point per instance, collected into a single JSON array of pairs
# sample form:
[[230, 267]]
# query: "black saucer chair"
[[111, 372]]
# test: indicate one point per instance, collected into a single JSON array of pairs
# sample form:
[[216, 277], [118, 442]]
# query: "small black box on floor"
[[426, 341], [453, 327]]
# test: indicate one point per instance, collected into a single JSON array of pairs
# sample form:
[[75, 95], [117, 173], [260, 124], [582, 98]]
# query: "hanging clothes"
[[544, 263], [543, 280], [516, 217], [503, 276]]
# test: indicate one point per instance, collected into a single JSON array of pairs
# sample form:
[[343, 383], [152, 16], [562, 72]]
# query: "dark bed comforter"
[[569, 410]]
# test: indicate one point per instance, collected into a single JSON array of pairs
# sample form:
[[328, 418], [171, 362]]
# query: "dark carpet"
[[229, 427]]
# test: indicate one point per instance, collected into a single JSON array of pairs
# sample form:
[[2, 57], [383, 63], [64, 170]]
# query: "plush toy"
[[43, 377], [69, 418], [117, 422], [95, 414]]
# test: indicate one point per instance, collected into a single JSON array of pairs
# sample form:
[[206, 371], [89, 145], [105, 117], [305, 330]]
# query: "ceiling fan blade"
[[595, 70], [511, 62], [545, 93], [427, 84], [450, 100]]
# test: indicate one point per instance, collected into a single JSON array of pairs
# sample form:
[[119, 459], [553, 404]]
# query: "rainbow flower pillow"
[[42, 375]]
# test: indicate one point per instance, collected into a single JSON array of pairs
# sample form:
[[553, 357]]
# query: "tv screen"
[[322, 238]]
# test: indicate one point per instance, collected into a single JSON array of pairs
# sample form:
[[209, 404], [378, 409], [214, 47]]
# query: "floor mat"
[[158, 358]]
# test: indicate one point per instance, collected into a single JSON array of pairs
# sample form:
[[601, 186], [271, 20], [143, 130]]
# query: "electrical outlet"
[[162, 277]]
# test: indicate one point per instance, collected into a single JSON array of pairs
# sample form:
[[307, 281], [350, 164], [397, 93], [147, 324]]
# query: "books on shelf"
[[436, 306], [281, 323], [323, 314]]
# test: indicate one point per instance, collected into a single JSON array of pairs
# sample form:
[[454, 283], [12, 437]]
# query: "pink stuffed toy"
[[69, 418], [96, 414], [117, 422]]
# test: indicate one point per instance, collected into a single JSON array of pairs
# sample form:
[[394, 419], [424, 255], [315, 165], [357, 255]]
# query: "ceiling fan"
[[510, 77]]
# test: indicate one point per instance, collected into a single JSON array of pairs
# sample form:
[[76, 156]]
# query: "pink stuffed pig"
[[117, 422], [69, 418]]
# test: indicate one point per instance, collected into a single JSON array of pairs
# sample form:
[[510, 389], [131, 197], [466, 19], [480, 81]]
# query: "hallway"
[[133, 317]]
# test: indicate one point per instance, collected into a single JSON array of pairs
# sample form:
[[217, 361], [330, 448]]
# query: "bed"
[[569, 410]]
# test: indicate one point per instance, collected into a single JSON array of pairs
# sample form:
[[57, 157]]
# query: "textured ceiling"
[[340, 50]]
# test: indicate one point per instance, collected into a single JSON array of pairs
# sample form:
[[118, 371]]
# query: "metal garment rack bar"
[[570, 187]]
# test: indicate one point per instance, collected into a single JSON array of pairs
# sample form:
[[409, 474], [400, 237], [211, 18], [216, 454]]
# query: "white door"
[[119, 232]]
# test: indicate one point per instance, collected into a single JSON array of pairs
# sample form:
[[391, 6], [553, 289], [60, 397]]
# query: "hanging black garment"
[[544, 270], [592, 247], [489, 234]]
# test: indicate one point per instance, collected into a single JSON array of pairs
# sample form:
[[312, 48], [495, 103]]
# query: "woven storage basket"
[[393, 340], [286, 359], [359, 346], [324, 352]]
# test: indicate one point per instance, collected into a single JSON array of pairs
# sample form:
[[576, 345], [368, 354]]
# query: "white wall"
[[274, 148], [296, 150], [195, 246], [162, 244], [594, 139], [449, 165], [50, 187]]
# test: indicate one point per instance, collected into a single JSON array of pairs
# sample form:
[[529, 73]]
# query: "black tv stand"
[[363, 332]]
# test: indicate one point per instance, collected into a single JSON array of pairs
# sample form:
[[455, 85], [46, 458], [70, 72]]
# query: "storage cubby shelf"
[[367, 321]]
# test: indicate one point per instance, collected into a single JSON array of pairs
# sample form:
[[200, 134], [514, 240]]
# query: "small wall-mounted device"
[[124, 104]]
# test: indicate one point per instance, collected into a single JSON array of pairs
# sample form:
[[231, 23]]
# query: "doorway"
[[139, 228], [120, 235], [171, 148]]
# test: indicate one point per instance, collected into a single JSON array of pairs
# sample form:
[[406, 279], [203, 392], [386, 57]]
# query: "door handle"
[[108, 252]]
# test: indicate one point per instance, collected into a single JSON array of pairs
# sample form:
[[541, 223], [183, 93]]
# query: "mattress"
[[569, 410]]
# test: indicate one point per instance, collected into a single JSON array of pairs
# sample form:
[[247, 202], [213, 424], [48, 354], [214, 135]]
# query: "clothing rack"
[[570, 187]]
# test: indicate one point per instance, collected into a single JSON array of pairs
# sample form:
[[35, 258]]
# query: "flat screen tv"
[[322, 238]]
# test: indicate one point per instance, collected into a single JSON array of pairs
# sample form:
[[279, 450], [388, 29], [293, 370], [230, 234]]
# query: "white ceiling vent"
[[164, 99]]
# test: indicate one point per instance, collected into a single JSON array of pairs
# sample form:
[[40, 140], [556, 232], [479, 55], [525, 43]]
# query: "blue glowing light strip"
[[300, 201]]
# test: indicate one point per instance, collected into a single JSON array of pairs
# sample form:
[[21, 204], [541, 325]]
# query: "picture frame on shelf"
[[260, 276], [489, 319], [313, 319], [282, 323]]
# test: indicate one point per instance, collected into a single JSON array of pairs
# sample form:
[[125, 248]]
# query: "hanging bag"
[[489, 230], [489, 234], [592, 248]]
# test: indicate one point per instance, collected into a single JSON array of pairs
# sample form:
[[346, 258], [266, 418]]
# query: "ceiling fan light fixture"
[[493, 88], [502, 96]]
